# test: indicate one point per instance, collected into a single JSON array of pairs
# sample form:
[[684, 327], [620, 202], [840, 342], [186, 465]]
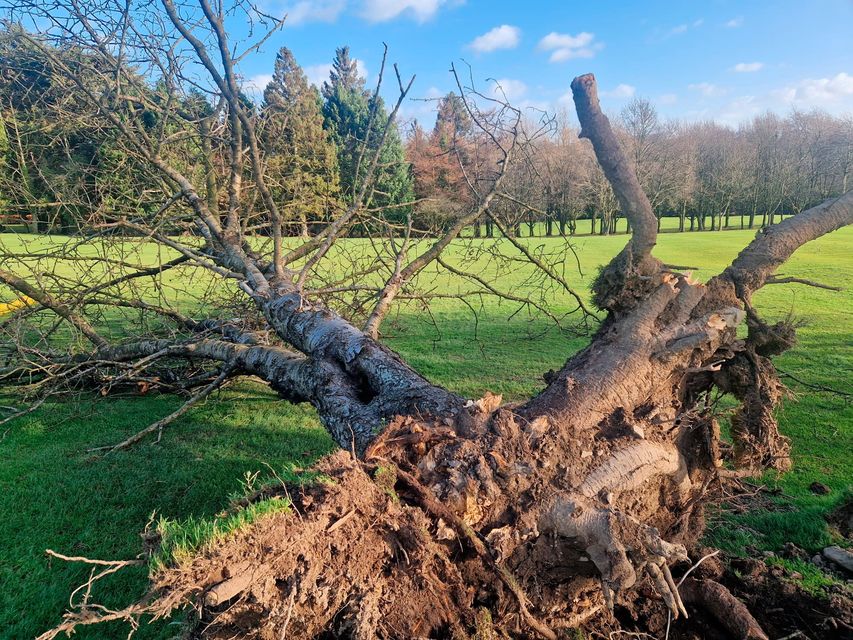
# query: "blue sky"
[[718, 59]]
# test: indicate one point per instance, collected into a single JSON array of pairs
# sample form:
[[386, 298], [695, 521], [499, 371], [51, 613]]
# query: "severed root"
[[725, 607], [621, 548]]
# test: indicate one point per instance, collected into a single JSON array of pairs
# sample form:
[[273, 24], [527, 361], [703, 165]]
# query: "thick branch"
[[754, 266], [618, 169], [46, 300]]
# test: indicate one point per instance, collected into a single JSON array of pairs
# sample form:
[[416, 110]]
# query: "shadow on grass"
[[55, 495]]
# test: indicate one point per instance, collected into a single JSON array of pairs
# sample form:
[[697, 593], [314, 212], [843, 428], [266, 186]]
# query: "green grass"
[[180, 539], [53, 494]]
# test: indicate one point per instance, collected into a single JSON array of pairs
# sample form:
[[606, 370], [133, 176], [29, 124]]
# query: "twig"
[[158, 426], [102, 563], [810, 283], [812, 385]]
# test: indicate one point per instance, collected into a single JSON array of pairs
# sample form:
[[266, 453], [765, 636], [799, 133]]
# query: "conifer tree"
[[356, 122], [452, 121], [301, 157]]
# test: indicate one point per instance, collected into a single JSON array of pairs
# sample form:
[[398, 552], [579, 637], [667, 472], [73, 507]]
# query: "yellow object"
[[20, 303]]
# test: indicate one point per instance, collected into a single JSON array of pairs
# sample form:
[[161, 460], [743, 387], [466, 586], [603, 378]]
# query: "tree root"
[[724, 606]]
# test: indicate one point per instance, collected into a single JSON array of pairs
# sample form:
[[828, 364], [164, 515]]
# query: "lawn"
[[53, 494]]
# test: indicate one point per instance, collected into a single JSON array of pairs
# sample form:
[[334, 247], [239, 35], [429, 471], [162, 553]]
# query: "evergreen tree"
[[344, 74], [356, 122], [452, 121], [301, 157]]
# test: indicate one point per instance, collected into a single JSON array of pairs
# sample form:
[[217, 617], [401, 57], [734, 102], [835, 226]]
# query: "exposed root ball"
[[351, 560]]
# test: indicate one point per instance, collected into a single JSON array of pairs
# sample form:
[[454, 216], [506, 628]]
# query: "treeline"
[[703, 176], [61, 168]]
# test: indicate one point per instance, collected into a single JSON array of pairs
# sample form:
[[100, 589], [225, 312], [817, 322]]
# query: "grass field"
[[55, 495]]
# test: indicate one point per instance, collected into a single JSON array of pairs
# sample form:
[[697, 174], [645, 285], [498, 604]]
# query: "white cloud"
[[556, 40], [502, 37], [621, 91], [819, 92], [255, 85], [833, 94], [566, 100], [707, 89], [748, 67], [668, 98], [434, 93], [564, 46], [317, 74], [313, 11], [509, 89], [685, 27], [734, 23], [382, 10], [739, 110]]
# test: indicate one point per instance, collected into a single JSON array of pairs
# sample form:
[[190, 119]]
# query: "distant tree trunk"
[[303, 225]]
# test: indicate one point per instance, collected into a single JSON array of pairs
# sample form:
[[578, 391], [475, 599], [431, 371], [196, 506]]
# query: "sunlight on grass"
[[180, 539]]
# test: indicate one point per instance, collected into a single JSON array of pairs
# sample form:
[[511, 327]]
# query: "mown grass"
[[53, 494]]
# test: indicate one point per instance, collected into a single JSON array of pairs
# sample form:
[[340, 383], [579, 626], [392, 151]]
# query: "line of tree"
[[55, 164], [705, 175], [316, 144]]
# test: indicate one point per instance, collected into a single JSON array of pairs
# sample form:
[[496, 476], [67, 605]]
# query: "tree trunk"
[[601, 474]]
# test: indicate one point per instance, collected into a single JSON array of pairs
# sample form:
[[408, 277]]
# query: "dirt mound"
[[351, 560], [355, 560]]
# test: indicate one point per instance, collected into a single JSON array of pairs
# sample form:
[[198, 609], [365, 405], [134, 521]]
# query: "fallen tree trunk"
[[447, 518]]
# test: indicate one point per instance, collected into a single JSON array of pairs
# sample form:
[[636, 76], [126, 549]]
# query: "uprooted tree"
[[446, 516]]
